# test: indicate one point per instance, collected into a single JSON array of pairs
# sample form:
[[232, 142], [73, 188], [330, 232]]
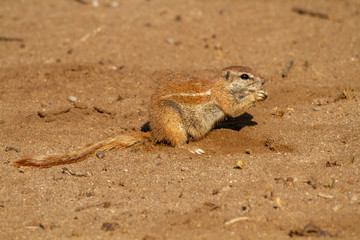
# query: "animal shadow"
[[236, 123]]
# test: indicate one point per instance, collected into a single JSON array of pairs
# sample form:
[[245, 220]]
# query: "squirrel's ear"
[[226, 75]]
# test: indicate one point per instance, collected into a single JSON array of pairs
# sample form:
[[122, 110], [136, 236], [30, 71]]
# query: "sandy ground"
[[299, 150]]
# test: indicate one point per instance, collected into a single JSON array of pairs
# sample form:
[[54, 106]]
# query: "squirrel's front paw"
[[261, 95]]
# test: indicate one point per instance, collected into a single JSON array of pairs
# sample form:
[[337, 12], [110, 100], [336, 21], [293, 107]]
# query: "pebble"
[[215, 191], [95, 3], [355, 198], [248, 151], [11, 148], [184, 169], [317, 108], [178, 18], [110, 226], [239, 164], [289, 179], [47, 103], [170, 41], [100, 154], [225, 189], [72, 98], [114, 4], [337, 208]]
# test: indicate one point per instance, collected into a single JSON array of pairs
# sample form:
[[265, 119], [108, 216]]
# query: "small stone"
[[72, 98], [239, 164], [289, 179], [337, 208], [322, 101], [183, 169], [119, 98], [170, 40], [355, 198], [49, 61], [95, 3], [248, 151], [120, 67], [351, 180], [11, 148], [225, 189], [163, 11], [107, 226], [317, 108], [279, 202], [178, 18], [281, 112], [223, 10], [100, 154], [148, 237], [114, 4], [50, 102], [215, 191]]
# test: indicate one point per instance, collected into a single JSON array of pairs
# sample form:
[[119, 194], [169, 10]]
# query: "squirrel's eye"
[[244, 76]]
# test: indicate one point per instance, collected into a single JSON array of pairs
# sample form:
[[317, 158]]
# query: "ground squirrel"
[[184, 108]]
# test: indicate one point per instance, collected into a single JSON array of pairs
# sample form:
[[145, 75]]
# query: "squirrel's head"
[[240, 78]]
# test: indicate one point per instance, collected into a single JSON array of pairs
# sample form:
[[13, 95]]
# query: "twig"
[[287, 68], [103, 204], [78, 209], [93, 33], [81, 1], [310, 13], [310, 231], [102, 110], [325, 195], [11, 39], [235, 220], [67, 171]]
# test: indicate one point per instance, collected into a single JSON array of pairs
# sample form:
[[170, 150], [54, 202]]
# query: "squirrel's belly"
[[201, 119]]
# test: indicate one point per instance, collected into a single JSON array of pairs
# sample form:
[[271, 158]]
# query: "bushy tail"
[[122, 141]]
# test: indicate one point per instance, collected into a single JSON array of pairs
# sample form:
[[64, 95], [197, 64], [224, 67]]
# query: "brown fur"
[[186, 106], [122, 141], [183, 108]]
